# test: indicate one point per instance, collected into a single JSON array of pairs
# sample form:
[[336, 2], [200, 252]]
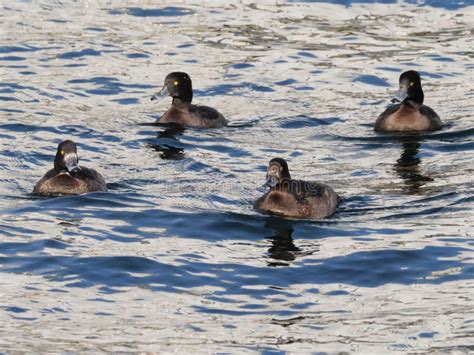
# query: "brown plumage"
[[193, 115], [295, 198], [410, 115], [67, 177], [178, 85]]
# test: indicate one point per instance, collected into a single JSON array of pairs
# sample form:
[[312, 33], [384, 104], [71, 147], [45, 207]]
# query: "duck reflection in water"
[[407, 168], [283, 249], [168, 142]]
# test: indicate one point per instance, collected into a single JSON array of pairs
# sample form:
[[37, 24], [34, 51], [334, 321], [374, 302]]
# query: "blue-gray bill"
[[272, 181], [400, 95], [72, 162], [163, 92]]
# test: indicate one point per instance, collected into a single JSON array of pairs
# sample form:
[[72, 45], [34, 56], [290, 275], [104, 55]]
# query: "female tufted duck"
[[410, 115], [67, 177], [295, 198], [178, 85]]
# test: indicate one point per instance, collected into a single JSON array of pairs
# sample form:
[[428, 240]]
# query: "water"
[[173, 257]]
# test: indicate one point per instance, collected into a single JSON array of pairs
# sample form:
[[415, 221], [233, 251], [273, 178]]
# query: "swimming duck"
[[178, 85], [67, 177], [409, 115], [295, 198]]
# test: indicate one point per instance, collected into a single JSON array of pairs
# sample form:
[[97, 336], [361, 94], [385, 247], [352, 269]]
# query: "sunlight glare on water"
[[173, 257]]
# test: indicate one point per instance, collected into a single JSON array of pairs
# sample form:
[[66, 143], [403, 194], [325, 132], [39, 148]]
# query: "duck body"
[[67, 177], [178, 85], [319, 202], [60, 183], [295, 198], [410, 114], [196, 116]]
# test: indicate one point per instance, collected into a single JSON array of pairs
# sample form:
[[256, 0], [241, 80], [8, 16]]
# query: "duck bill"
[[272, 181], [400, 95], [163, 92], [71, 162]]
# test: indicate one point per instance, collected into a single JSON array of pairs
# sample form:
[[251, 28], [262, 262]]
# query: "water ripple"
[[174, 256]]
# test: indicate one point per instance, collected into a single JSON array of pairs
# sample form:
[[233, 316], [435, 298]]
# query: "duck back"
[[59, 183], [194, 116], [303, 199], [408, 117]]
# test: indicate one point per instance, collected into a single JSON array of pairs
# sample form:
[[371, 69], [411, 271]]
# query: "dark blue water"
[[173, 256]]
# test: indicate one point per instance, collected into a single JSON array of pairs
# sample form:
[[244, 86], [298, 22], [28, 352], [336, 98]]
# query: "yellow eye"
[[61, 152], [412, 83], [176, 83]]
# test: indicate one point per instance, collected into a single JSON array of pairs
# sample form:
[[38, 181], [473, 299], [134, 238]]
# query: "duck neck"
[[417, 97], [180, 103], [58, 163], [282, 186]]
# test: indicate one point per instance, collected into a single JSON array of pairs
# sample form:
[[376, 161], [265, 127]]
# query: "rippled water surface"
[[173, 257]]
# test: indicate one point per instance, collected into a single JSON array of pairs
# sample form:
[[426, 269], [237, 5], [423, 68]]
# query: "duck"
[[295, 198], [67, 177], [178, 85], [409, 114]]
